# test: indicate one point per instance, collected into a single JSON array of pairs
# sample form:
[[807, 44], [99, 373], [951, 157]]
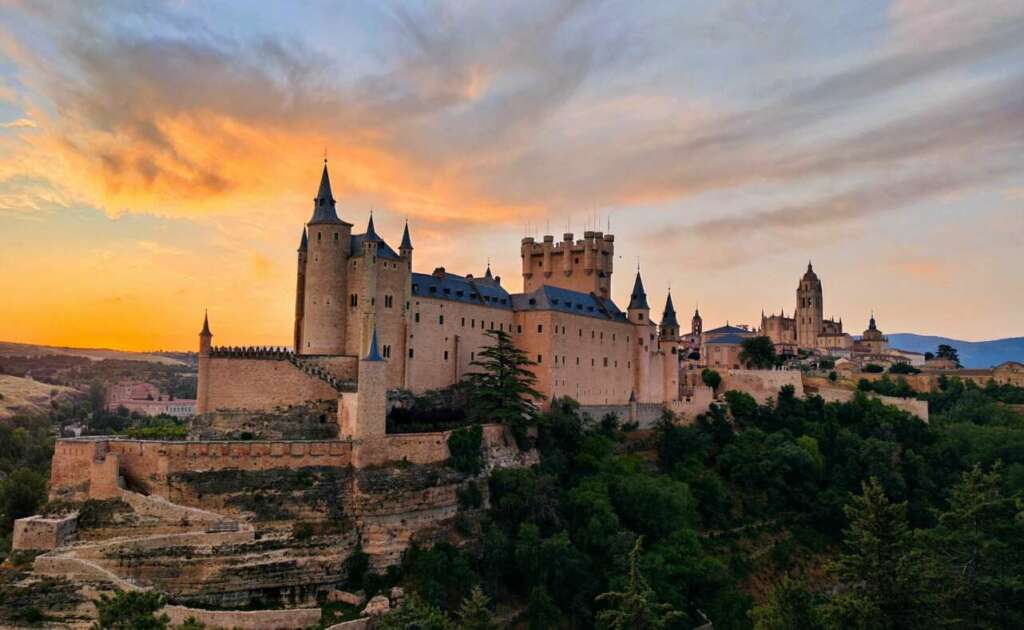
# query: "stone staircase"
[[315, 370]]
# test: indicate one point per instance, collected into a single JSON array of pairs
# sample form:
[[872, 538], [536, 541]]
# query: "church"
[[357, 298]]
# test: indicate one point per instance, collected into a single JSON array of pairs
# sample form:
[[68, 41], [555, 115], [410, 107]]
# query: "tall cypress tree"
[[503, 386], [637, 607]]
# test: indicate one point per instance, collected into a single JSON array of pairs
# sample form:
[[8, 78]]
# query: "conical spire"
[[638, 299], [206, 325], [668, 318], [487, 274], [304, 243], [323, 205], [374, 353], [371, 233], [406, 241]]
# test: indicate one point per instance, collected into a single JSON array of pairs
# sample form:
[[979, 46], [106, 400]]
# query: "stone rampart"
[[690, 406], [246, 619], [40, 532], [762, 384], [262, 383], [913, 406]]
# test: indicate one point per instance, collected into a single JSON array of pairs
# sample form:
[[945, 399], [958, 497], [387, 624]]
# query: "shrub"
[[465, 448], [833, 376], [470, 496], [873, 368], [302, 531], [711, 378]]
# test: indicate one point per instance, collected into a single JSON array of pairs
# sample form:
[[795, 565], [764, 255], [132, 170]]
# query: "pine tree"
[[884, 579], [475, 614], [416, 614], [981, 546], [636, 608], [502, 386]]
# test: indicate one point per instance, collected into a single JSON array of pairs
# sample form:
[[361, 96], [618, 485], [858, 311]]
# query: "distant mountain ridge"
[[973, 354]]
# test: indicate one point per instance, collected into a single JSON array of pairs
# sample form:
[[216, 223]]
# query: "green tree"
[[980, 542], [637, 607], [414, 614], [130, 610], [21, 494], [711, 378], [758, 353], [541, 612], [503, 386], [475, 612], [192, 624], [883, 577], [790, 605], [465, 447], [948, 352]]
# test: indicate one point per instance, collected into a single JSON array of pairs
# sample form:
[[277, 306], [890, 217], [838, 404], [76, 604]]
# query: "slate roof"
[[728, 339], [323, 205], [406, 241], [726, 329], [383, 249], [638, 298], [547, 298], [668, 318], [458, 288]]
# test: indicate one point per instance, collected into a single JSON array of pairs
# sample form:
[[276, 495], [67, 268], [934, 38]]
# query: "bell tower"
[[809, 309]]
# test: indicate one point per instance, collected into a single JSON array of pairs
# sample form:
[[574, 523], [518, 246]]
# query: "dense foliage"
[[759, 353], [881, 520]]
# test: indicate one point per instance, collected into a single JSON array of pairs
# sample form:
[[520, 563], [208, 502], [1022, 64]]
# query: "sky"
[[159, 159]]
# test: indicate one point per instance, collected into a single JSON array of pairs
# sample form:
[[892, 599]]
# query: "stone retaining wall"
[[246, 619]]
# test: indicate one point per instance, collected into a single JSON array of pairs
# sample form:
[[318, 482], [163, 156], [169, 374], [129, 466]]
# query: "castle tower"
[[371, 394], [300, 290], [696, 324], [324, 304], [585, 266], [639, 313], [405, 249], [668, 343], [669, 325], [203, 380], [368, 287], [809, 309]]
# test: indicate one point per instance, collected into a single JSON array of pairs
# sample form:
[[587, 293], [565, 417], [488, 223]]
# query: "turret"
[[669, 325], [300, 290], [639, 311], [325, 304], [696, 324], [203, 376], [405, 249]]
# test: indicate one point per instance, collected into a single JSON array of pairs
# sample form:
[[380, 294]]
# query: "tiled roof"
[[461, 289], [548, 298]]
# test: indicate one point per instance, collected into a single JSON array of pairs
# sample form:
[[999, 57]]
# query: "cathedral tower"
[[322, 320], [809, 309]]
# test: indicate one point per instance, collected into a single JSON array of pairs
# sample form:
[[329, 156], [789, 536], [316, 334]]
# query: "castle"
[[360, 309]]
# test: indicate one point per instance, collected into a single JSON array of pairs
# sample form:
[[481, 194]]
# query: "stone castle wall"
[[38, 532], [762, 384], [246, 619], [263, 384], [913, 406]]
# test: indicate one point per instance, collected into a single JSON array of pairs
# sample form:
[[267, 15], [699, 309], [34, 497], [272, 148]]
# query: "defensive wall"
[[761, 384], [100, 467], [913, 406], [41, 532], [268, 378], [246, 619]]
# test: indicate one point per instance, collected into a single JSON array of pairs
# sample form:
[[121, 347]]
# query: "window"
[[472, 356], [540, 358], [463, 322], [577, 360], [606, 361], [353, 300], [540, 327], [318, 237], [387, 352], [440, 319], [492, 326], [472, 323], [389, 301], [335, 237], [519, 329], [445, 355], [581, 332], [410, 353], [640, 316]]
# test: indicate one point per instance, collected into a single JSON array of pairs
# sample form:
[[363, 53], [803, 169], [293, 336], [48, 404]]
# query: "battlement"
[[306, 363], [583, 265]]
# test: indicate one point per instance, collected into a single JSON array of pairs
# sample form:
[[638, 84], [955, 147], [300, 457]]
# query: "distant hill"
[[973, 354], [8, 348], [23, 395]]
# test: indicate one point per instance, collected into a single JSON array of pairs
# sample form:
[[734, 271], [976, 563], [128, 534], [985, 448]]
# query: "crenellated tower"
[[809, 309], [324, 311], [585, 265]]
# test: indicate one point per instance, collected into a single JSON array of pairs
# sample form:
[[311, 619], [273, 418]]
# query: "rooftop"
[[548, 298]]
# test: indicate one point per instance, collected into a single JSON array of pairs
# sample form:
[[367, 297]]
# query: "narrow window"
[[440, 319], [410, 353], [353, 300], [519, 329], [445, 355], [540, 359], [463, 322], [416, 318], [540, 327]]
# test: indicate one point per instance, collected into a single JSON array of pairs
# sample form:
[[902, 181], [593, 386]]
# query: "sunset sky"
[[159, 159]]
